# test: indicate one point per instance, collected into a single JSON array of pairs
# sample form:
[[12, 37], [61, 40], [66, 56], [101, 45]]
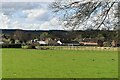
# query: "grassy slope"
[[18, 63]]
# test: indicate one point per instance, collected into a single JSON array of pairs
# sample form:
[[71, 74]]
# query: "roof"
[[59, 42], [71, 42], [1, 42], [88, 43], [42, 42]]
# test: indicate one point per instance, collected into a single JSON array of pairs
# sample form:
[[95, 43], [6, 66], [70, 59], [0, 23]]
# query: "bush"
[[44, 48], [107, 44], [11, 45], [100, 43], [31, 47], [28, 47], [25, 47]]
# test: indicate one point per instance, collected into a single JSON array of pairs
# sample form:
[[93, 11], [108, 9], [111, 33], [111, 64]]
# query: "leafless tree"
[[21, 36], [18, 35], [86, 14]]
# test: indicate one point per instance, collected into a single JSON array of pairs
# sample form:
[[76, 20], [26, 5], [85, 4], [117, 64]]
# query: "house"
[[115, 43], [89, 43], [1, 42], [92, 40], [71, 43], [42, 42], [59, 42]]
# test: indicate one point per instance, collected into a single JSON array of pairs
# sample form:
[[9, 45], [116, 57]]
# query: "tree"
[[18, 35], [78, 38], [21, 36], [100, 37], [100, 41], [86, 14], [44, 35]]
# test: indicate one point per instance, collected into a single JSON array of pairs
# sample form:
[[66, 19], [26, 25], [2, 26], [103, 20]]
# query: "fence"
[[78, 48]]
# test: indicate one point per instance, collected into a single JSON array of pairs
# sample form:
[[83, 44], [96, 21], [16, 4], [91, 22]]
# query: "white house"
[[42, 42], [1, 42], [59, 42]]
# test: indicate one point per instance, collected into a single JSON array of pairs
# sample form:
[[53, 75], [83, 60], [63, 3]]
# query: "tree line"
[[21, 36]]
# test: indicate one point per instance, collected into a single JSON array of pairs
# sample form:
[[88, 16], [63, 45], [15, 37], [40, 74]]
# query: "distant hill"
[[11, 31]]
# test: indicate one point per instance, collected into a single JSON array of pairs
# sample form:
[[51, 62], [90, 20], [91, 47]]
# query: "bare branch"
[[77, 13], [107, 11]]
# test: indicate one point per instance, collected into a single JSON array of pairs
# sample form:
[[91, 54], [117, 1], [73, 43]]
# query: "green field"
[[26, 63]]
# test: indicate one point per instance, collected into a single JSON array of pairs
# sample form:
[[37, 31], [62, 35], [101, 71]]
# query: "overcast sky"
[[28, 15]]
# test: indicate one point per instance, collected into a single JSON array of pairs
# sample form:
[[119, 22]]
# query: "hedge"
[[11, 45]]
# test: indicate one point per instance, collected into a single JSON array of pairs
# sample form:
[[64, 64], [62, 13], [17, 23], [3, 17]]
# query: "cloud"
[[27, 0], [20, 5], [4, 21], [54, 21], [12, 7], [34, 13], [31, 11], [28, 16], [53, 24], [34, 16], [8, 23]]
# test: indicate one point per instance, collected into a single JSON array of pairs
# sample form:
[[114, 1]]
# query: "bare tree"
[[18, 35], [21, 36], [86, 14]]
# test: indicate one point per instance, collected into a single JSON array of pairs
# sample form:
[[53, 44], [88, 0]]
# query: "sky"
[[33, 15], [28, 16]]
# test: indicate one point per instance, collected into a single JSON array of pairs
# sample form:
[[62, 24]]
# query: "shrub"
[[11, 45], [100, 43], [28, 47], [107, 44], [31, 47]]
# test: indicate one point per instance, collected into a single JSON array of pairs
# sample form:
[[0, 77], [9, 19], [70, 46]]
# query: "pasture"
[[30, 63]]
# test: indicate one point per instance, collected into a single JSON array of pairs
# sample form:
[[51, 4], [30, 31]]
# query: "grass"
[[28, 63]]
